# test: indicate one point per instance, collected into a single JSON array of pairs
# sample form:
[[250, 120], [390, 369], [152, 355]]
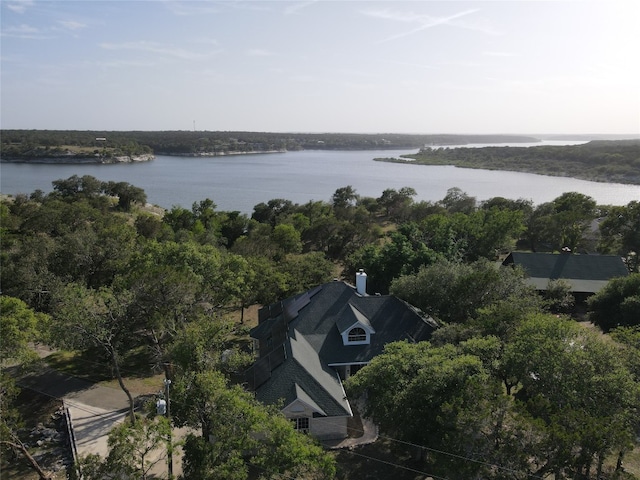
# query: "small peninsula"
[[612, 161]]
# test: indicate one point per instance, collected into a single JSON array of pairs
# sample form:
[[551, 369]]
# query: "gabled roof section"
[[302, 376], [586, 273], [305, 398], [390, 318], [352, 317], [308, 342], [335, 306], [279, 314]]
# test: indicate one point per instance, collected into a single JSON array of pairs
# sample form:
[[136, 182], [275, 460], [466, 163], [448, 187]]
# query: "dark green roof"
[[313, 322], [303, 373], [586, 273]]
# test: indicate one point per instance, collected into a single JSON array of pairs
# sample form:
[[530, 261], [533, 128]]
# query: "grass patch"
[[139, 386], [632, 462], [79, 364], [92, 365]]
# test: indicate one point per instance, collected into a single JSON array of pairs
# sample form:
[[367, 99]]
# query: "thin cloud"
[[430, 22], [72, 25], [115, 64], [207, 41], [296, 7], [425, 22], [184, 9], [19, 6], [24, 31], [198, 8], [153, 47]]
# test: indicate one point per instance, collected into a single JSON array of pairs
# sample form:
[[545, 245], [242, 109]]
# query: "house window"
[[357, 335], [301, 424]]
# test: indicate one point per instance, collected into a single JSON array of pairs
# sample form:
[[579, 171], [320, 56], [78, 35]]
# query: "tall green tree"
[[457, 201], [127, 194], [577, 391], [344, 201], [240, 435], [134, 450], [286, 238], [397, 203], [19, 325], [620, 232], [441, 399], [344, 197], [85, 318], [403, 254], [454, 292], [563, 222], [617, 304]]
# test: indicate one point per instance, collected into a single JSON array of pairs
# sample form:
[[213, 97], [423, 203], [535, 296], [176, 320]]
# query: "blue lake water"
[[239, 182]]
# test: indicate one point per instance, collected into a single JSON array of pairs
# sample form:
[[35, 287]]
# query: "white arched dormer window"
[[357, 335], [354, 327]]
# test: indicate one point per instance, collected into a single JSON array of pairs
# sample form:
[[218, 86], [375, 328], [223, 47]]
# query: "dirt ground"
[[36, 409]]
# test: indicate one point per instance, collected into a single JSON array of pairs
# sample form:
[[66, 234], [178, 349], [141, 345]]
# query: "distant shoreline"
[[220, 154], [612, 161], [79, 159]]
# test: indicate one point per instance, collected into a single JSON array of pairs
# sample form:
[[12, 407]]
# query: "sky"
[[510, 66]]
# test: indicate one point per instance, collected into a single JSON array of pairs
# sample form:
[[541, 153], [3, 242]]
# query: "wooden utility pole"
[[167, 384]]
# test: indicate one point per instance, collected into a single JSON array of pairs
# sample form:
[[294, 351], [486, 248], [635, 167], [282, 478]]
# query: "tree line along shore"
[[599, 160], [615, 161]]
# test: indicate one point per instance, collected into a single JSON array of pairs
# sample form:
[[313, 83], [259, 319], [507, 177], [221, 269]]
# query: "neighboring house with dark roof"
[[309, 344], [587, 274]]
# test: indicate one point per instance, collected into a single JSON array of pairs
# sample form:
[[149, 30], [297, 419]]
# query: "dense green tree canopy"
[[20, 325], [455, 292], [133, 451], [499, 382], [620, 232], [85, 319], [574, 406], [578, 389], [239, 434], [617, 304]]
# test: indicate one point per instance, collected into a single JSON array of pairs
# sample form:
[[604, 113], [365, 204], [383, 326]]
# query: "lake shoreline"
[[80, 159], [588, 178], [241, 182]]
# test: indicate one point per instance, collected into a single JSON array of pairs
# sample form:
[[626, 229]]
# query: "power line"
[[353, 429], [442, 452], [396, 465], [87, 409]]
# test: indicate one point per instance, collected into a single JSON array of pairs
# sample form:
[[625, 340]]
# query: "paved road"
[[94, 411]]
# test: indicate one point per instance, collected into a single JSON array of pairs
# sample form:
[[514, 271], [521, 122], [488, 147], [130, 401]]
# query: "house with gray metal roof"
[[309, 344], [587, 274]]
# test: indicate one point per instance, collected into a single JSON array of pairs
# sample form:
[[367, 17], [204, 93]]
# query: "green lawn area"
[[137, 368]]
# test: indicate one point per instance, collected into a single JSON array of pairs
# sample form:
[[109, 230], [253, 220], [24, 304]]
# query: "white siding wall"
[[325, 428], [329, 428]]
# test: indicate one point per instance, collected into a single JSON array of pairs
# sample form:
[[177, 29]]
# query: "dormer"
[[354, 327]]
